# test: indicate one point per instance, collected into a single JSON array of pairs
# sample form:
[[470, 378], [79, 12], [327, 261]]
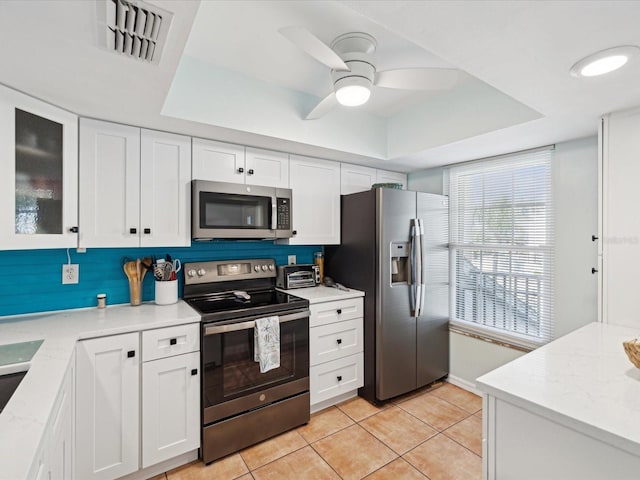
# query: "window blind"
[[501, 247]]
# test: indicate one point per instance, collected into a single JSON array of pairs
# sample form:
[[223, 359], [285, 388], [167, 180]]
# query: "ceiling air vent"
[[134, 28]]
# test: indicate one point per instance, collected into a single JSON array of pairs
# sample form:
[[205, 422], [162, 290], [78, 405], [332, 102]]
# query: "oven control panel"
[[227, 270]]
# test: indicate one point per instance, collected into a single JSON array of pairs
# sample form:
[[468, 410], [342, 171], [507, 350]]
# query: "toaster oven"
[[297, 276]]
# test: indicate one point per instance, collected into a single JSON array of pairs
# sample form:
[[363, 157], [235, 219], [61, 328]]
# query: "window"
[[502, 248]]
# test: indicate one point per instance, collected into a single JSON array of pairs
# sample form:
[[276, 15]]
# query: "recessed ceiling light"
[[604, 61]]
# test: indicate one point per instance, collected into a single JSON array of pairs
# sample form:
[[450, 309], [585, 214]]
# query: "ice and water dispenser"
[[399, 262]]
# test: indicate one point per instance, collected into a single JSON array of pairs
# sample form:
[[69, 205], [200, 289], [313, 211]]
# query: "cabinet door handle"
[[131, 353], [594, 238], [339, 311], [133, 231], [194, 371], [295, 232], [240, 170], [73, 229], [250, 172], [339, 341], [594, 271], [339, 377], [147, 231], [173, 341]]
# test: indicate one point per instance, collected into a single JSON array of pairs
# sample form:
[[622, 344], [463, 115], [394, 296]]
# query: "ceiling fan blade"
[[315, 47], [322, 108], [418, 78]]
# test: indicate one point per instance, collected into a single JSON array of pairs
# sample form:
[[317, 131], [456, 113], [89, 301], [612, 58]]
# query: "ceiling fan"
[[353, 69]]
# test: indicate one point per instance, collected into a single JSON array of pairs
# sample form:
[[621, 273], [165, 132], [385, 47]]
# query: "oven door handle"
[[232, 327]]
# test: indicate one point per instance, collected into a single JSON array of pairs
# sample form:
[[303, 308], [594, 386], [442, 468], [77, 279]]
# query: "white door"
[[170, 407], [385, 176], [38, 173], [109, 185], [165, 189], [268, 168], [107, 407], [315, 201], [620, 237], [217, 161], [356, 178]]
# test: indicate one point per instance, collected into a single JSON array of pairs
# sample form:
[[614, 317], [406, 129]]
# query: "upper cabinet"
[[134, 186], [356, 178], [39, 164], [316, 201], [385, 176], [226, 162]]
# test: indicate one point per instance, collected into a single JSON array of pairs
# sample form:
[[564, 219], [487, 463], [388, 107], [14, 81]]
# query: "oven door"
[[231, 380]]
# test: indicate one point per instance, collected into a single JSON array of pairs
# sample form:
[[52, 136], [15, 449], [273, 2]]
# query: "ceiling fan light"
[[352, 91], [605, 61]]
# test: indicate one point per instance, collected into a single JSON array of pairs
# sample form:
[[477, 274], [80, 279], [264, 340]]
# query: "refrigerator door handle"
[[421, 268], [413, 272]]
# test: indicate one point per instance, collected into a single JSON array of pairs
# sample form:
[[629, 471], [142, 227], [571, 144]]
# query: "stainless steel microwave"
[[234, 210]]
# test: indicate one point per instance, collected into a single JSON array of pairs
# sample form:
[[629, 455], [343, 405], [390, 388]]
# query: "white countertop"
[[23, 421], [583, 380], [322, 294]]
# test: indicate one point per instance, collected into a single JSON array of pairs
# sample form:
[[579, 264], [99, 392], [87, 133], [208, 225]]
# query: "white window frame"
[[544, 280]]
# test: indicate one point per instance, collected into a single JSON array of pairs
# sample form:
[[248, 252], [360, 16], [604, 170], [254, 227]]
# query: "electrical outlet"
[[70, 273], [291, 259]]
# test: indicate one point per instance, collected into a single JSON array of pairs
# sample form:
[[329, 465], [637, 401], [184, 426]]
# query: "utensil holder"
[[135, 296], [166, 292]]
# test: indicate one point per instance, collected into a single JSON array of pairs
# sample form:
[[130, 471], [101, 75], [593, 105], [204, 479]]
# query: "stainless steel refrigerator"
[[394, 247]]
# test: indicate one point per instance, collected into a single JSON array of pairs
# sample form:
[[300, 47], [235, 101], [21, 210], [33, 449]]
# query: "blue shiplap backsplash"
[[32, 279]]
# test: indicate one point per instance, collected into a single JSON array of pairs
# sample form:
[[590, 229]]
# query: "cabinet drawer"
[[329, 312], [335, 340], [336, 377], [165, 342]]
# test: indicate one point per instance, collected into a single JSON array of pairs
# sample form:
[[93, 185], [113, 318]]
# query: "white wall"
[[575, 193]]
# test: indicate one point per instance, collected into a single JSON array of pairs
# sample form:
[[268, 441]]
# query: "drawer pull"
[[250, 172], [131, 353], [147, 231], [240, 170], [339, 311], [133, 231], [339, 341], [173, 341], [194, 371], [339, 377]]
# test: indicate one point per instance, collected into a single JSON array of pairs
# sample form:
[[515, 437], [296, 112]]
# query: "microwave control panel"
[[284, 213]]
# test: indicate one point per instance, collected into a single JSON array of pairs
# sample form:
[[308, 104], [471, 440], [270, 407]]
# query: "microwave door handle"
[[274, 213]]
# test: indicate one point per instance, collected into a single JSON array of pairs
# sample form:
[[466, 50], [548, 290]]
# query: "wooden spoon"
[[147, 265]]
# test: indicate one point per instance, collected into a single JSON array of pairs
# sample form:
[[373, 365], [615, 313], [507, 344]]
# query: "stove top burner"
[[232, 305]]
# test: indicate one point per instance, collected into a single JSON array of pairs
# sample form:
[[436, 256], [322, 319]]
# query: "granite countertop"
[[583, 380], [322, 294], [24, 419]]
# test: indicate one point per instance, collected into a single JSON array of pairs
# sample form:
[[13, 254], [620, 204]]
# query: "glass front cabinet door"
[[39, 166]]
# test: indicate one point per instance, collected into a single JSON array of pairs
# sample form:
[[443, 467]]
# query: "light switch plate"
[[70, 273], [291, 259]]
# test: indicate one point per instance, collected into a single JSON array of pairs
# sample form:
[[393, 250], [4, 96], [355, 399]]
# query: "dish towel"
[[266, 343]]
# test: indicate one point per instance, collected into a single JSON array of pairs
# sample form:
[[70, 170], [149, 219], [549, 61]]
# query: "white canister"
[[166, 292]]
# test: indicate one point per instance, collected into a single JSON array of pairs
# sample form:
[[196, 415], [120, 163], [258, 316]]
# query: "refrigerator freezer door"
[[395, 325], [433, 323]]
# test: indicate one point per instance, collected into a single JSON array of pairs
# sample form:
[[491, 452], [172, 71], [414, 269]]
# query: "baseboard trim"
[[464, 384]]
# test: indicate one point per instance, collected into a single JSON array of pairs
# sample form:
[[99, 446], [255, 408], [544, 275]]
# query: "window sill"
[[496, 339]]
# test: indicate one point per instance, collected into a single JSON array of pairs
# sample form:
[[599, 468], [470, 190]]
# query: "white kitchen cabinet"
[[170, 407], [336, 346], [386, 176], [315, 202], [134, 186], [107, 407], [619, 231], [356, 178], [60, 449], [39, 181], [226, 162]]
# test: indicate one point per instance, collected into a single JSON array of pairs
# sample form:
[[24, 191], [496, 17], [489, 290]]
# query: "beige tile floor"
[[431, 434]]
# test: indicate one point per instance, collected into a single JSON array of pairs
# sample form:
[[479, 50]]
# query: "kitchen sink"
[[14, 364]]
